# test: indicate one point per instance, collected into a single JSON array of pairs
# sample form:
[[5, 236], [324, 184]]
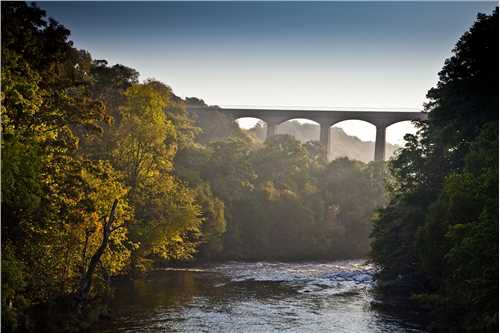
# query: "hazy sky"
[[334, 54]]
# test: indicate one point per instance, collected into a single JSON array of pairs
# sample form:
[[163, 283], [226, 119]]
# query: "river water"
[[253, 297]]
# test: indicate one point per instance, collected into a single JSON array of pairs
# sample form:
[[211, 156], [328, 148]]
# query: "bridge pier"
[[325, 139], [380, 143], [271, 129]]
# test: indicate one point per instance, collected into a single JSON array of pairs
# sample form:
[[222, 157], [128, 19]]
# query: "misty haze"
[[344, 145]]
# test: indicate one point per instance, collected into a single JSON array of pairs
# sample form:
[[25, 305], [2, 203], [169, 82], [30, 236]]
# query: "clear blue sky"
[[362, 54]]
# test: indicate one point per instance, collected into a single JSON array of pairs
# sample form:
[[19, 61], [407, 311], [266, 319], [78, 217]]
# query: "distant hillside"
[[343, 144]]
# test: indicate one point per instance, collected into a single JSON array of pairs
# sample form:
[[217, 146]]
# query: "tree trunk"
[[86, 282]]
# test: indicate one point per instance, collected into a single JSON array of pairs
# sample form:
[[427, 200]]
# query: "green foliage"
[[345, 184], [278, 199], [214, 222], [438, 238], [216, 126], [47, 192], [76, 136], [229, 169]]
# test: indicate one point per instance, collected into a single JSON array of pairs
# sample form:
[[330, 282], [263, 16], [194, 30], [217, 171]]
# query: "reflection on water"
[[253, 297]]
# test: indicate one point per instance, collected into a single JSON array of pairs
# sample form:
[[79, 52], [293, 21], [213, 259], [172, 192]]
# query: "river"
[[253, 297]]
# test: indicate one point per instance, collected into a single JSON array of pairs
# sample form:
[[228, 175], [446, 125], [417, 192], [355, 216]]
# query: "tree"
[[439, 235], [167, 218]]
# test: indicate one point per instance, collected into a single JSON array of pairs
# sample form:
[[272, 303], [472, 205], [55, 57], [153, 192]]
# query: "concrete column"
[[380, 144], [271, 129], [325, 139]]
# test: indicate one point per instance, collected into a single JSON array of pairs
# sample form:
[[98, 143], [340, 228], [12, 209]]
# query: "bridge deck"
[[326, 117]]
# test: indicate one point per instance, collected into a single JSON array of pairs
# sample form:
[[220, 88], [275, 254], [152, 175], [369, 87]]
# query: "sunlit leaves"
[[146, 138]]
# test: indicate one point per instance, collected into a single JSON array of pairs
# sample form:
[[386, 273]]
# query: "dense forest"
[[437, 239], [106, 177]]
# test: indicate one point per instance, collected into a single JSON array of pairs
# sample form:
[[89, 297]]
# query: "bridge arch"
[[360, 121], [249, 122], [290, 127], [364, 130], [256, 126], [394, 130]]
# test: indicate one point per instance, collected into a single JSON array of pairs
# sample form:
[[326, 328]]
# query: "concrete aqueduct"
[[326, 119]]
